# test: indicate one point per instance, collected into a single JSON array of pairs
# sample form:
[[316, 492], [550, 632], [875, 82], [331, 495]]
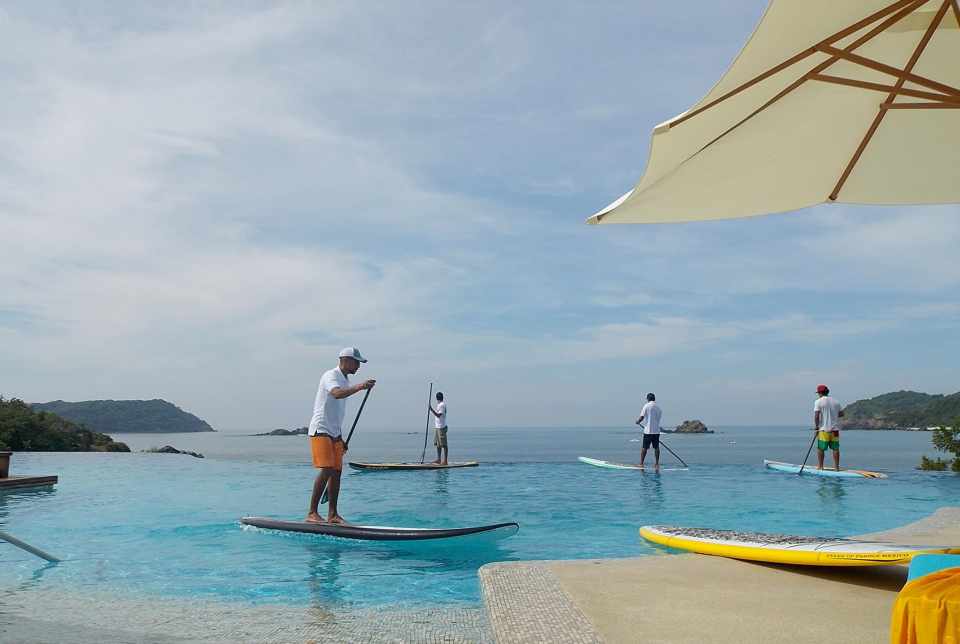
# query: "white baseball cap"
[[352, 352]]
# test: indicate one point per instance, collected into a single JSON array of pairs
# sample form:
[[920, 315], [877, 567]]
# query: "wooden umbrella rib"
[[889, 70], [857, 26], [879, 87], [902, 13], [770, 72], [896, 6], [878, 29], [919, 106], [956, 11], [928, 34]]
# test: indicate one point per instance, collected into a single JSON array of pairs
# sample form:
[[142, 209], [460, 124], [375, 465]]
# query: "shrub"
[[945, 439]]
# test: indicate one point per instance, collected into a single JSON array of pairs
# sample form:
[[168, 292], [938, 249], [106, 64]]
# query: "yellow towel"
[[927, 610]]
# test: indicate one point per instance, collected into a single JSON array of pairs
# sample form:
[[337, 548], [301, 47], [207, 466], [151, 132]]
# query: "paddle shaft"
[[426, 429], [810, 449], [359, 411], [667, 447], [323, 499]]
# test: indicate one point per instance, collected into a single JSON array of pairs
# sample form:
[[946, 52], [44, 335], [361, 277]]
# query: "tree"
[[945, 439], [22, 429]]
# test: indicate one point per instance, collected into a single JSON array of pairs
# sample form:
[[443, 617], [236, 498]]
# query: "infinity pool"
[[166, 525]]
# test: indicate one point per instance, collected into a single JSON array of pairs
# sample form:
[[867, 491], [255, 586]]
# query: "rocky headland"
[[902, 410], [127, 416]]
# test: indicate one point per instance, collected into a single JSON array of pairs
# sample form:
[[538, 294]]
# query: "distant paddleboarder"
[[651, 432], [326, 442], [826, 422], [440, 429]]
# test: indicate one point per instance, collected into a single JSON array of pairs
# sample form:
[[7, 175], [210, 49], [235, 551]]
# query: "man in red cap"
[[826, 422]]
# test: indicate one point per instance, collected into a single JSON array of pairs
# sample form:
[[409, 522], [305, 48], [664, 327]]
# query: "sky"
[[204, 202]]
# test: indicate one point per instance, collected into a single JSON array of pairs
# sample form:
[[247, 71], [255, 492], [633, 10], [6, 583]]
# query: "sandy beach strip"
[[697, 598]]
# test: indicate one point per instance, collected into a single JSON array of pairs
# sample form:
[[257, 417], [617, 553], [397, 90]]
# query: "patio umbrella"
[[852, 101]]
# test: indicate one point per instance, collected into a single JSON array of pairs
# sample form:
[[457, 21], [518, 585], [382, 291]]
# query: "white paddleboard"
[[792, 468], [610, 465]]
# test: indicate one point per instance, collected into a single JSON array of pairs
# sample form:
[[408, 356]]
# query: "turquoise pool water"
[[166, 525]]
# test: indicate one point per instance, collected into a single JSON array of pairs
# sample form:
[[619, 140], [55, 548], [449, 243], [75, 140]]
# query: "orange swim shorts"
[[327, 451]]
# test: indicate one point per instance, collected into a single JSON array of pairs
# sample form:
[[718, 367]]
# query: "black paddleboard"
[[410, 466], [380, 533]]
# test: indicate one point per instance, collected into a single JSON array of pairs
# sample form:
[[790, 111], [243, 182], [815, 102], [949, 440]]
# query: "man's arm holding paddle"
[[345, 392]]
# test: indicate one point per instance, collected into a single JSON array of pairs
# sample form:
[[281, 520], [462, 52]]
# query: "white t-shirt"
[[829, 410], [327, 410], [651, 414], [440, 420]]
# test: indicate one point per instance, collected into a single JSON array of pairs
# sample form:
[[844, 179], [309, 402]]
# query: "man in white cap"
[[326, 441]]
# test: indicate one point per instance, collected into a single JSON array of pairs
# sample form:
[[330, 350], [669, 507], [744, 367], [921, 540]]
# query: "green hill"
[[25, 429], [127, 416], [901, 409]]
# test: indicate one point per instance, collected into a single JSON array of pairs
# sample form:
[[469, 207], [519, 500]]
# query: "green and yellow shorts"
[[829, 440]]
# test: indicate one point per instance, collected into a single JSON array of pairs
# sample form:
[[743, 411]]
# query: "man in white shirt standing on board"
[[826, 419], [651, 433], [440, 429], [326, 441]]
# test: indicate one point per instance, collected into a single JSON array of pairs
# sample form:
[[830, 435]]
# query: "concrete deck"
[[697, 598]]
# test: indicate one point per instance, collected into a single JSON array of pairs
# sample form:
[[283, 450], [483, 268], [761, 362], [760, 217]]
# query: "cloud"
[[205, 202]]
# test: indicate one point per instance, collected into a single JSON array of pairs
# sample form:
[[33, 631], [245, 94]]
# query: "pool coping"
[[615, 600]]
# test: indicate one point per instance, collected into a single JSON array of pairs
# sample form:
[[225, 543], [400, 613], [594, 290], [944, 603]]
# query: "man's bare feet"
[[437, 462], [444, 463], [313, 517], [337, 520]]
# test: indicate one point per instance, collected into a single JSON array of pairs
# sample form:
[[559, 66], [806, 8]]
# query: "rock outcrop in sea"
[[300, 431], [170, 449], [691, 427]]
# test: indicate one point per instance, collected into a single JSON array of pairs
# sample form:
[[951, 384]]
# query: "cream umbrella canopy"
[[852, 101]]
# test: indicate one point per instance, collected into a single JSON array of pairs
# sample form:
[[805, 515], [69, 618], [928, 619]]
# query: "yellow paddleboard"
[[787, 549]]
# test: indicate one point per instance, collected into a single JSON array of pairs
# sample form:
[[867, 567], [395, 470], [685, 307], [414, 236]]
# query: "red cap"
[[822, 389]]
